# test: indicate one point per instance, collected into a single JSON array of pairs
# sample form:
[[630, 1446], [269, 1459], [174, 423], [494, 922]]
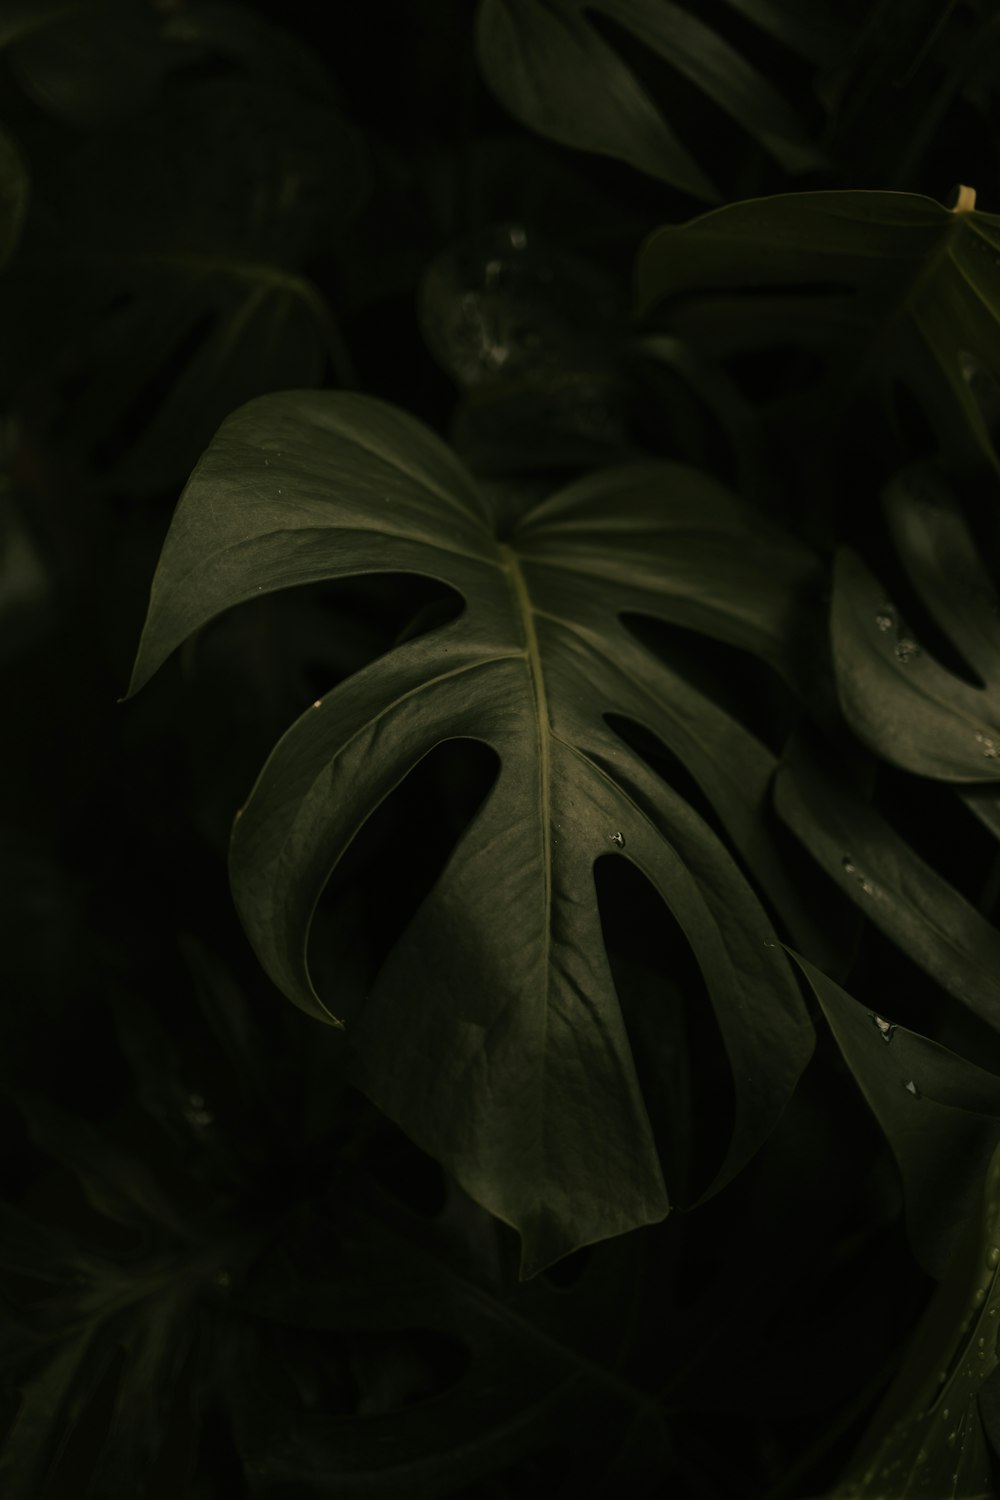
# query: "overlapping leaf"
[[902, 894], [532, 1365], [493, 1033], [894, 288], [895, 695], [552, 69]]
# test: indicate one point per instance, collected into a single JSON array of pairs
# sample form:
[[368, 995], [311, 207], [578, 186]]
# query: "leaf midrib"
[[533, 657]]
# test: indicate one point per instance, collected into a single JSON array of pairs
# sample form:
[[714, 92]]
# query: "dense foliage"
[[537, 461]]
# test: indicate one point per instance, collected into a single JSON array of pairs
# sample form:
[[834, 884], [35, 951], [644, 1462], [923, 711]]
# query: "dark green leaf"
[[895, 695], [929, 920], [500, 986], [549, 66], [893, 288]]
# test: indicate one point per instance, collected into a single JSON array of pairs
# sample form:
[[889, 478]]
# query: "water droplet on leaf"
[[850, 868], [885, 1028]]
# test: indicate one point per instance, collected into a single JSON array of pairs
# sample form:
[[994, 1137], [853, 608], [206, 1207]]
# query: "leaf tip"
[[961, 199]]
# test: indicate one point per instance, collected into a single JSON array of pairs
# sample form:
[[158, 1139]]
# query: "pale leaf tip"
[[962, 199]]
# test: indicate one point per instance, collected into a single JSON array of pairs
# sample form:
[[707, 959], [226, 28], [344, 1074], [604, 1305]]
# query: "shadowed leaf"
[[493, 1033]]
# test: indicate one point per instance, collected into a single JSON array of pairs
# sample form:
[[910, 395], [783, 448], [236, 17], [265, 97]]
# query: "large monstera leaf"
[[889, 288], [493, 1033]]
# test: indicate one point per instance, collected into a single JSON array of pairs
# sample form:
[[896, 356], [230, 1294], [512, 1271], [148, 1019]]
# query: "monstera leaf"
[[493, 1033], [889, 287], [548, 64], [895, 695]]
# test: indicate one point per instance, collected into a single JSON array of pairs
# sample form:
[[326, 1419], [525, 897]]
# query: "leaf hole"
[[667, 766], [392, 866], [735, 680], [676, 1043]]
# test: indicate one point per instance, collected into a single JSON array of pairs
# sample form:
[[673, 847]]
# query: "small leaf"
[[525, 1087]]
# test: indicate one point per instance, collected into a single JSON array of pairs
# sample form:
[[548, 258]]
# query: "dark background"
[[167, 1114]]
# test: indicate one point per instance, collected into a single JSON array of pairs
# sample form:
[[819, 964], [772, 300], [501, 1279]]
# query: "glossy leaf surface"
[[493, 1033], [895, 695]]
